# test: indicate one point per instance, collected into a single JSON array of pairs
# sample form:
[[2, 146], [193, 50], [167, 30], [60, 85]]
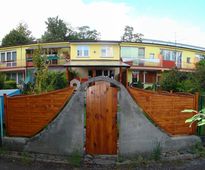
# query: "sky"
[[181, 21]]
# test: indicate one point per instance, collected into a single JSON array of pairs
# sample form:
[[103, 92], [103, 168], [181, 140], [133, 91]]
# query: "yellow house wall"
[[95, 52], [129, 76], [20, 55], [192, 56], [153, 48]]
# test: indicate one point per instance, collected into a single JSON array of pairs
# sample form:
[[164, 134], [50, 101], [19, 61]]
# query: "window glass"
[[129, 53], [8, 56], [2, 57], [107, 51], [82, 51]]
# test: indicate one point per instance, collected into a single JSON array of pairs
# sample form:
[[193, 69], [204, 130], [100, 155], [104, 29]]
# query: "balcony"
[[168, 64], [156, 63]]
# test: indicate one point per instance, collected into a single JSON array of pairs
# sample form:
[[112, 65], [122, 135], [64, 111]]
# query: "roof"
[[95, 63], [144, 41]]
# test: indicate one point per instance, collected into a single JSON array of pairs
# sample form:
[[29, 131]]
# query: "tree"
[[85, 33], [178, 81], [41, 74], [130, 36], [200, 74], [57, 30], [20, 35]]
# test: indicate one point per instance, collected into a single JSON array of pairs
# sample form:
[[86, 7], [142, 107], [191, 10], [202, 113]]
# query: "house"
[[125, 61]]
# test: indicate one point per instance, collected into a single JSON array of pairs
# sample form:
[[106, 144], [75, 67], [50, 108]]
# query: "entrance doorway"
[[101, 119]]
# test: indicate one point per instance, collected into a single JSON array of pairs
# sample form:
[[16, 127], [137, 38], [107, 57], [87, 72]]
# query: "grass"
[[157, 152], [3, 151], [75, 159], [25, 159], [198, 149]]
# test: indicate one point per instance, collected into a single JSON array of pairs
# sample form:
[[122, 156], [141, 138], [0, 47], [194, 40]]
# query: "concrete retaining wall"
[[137, 135]]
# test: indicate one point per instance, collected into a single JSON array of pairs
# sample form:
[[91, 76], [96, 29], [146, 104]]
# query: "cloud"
[[107, 17]]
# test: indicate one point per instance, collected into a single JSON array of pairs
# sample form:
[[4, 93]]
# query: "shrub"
[[2, 79], [10, 84]]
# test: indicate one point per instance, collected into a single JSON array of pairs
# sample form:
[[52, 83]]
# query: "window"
[[11, 59], [151, 55], [188, 60], [170, 55], [141, 52], [200, 57], [106, 51], [82, 51], [2, 57]]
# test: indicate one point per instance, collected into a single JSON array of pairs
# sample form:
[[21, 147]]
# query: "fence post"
[[196, 101], [5, 112]]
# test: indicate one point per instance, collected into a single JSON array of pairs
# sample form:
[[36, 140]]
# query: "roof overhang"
[[96, 64]]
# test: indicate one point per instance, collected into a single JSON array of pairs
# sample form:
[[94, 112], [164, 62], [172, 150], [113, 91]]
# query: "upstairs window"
[[170, 55], [151, 55], [106, 51], [82, 51], [188, 60], [2, 57], [141, 52]]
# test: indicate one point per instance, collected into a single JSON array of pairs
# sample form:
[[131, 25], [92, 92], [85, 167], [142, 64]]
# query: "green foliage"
[[177, 81], [85, 33], [198, 149], [199, 117], [200, 75], [75, 159], [157, 152], [41, 73], [57, 30], [10, 84], [56, 80], [130, 36], [2, 80], [18, 36], [137, 85]]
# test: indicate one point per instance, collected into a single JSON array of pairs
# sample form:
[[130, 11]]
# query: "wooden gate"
[[101, 119]]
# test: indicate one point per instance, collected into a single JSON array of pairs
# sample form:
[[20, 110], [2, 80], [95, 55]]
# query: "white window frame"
[[108, 52], [151, 55], [11, 62], [83, 51]]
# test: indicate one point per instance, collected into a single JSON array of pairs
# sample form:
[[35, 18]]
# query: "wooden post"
[[196, 101], [126, 78], [120, 74], [93, 72], [6, 113], [67, 74]]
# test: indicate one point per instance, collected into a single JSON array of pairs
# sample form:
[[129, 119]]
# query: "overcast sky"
[[168, 20]]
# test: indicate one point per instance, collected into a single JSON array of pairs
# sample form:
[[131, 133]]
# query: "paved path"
[[23, 164]]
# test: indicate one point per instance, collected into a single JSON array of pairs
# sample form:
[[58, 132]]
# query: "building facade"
[[125, 61]]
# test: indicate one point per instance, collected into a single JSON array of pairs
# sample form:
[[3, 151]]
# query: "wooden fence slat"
[[27, 115], [165, 109]]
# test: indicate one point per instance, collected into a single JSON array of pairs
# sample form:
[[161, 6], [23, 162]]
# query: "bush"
[[2, 79], [137, 85], [177, 81], [10, 84]]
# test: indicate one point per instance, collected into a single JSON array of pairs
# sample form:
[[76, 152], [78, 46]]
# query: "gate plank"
[[101, 118]]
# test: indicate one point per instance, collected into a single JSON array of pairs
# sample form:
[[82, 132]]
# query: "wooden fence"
[[164, 109], [29, 114]]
